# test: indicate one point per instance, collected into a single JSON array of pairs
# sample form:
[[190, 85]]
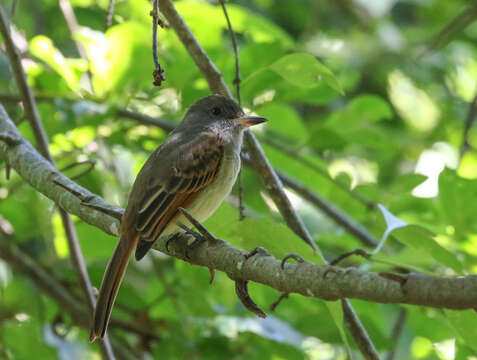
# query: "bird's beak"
[[250, 120]]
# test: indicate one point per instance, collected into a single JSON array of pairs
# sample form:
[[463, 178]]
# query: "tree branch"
[[40, 174], [340, 217], [468, 125], [237, 93], [72, 23], [110, 14], [268, 175], [48, 284], [460, 22], [320, 281], [158, 73], [42, 142]]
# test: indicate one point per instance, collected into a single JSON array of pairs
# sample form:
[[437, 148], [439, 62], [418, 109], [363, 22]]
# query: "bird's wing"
[[196, 166]]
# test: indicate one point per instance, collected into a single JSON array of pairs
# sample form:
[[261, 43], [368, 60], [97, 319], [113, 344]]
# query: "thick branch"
[[320, 281], [39, 173], [327, 282]]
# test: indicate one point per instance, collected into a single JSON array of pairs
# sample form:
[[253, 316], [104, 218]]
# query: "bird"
[[195, 168]]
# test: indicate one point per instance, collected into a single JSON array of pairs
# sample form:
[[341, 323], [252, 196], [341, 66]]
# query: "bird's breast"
[[212, 196]]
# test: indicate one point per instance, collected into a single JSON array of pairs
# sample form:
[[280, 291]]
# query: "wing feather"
[[196, 166]]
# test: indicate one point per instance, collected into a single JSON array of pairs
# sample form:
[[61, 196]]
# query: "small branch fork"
[[158, 73]]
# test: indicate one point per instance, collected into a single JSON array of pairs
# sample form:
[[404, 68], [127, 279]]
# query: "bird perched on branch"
[[195, 169]]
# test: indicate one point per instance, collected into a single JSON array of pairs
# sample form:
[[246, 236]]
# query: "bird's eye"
[[216, 111]]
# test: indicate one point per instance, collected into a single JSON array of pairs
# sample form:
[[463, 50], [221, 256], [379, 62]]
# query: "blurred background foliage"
[[367, 105]]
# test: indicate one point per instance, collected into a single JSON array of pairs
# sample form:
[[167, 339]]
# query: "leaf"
[[304, 70], [325, 138], [370, 108], [116, 57], [284, 121], [336, 311], [277, 238], [455, 194], [420, 238], [43, 48], [463, 322]]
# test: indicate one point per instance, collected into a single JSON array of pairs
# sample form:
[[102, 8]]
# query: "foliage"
[[347, 86]]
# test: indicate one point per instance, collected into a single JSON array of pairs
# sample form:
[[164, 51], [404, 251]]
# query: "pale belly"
[[209, 200]]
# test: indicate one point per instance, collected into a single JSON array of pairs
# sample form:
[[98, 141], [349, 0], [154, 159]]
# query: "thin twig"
[[459, 23], [397, 330], [359, 333], [277, 302], [13, 8], [339, 217], [236, 82], [297, 156], [158, 73], [91, 164], [468, 125], [42, 142], [110, 14], [73, 26], [240, 194]]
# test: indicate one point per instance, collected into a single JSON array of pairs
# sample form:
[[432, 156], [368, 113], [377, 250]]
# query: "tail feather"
[[109, 287]]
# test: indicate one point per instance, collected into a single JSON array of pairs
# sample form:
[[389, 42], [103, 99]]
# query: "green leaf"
[[370, 108], [277, 238], [304, 70], [43, 48], [285, 121], [116, 57], [336, 311], [455, 194], [420, 238], [325, 138], [463, 322]]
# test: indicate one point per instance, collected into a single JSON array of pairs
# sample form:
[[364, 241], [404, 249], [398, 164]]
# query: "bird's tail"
[[110, 285]]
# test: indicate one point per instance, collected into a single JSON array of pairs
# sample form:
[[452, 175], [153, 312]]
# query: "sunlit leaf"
[[421, 238], [304, 70]]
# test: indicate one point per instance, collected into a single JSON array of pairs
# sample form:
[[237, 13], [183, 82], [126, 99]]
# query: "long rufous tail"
[[109, 287]]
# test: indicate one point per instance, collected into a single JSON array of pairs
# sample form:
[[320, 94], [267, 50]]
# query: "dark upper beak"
[[249, 120]]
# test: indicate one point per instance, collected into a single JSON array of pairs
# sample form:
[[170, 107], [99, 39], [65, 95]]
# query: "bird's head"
[[219, 112]]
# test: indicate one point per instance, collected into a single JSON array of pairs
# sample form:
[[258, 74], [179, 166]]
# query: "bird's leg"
[[202, 230], [198, 239], [172, 238]]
